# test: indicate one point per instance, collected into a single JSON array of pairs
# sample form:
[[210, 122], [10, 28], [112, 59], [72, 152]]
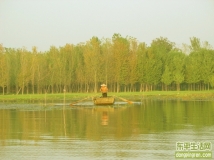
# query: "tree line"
[[123, 63]]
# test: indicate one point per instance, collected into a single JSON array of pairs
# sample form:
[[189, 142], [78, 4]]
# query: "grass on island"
[[184, 95]]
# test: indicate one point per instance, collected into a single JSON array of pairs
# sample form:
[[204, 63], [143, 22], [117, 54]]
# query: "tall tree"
[[92, 61], [120, 51], [132, 59], [70, 65], [106, 59], [160, 47], [207, 66], [192, 69], [33, 67], [166, 76], [177, 67], [195, 44], [13, 70], [55, 67], [4, 72], [199, 67], [23, 78], [80, 78], [152, 69], [141, 57]]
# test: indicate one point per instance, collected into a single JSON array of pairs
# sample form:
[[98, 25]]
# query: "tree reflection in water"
[[87, 122], [105, 118]]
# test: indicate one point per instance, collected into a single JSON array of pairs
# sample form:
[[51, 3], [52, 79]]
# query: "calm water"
[[123, 131]]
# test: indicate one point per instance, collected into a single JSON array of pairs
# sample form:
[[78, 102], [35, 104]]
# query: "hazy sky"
[[43, 23]]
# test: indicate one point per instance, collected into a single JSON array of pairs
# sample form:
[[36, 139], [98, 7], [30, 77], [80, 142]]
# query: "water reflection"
[[121, 131], [105, 118]]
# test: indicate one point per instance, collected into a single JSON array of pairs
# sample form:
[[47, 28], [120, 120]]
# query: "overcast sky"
[[42, 23]]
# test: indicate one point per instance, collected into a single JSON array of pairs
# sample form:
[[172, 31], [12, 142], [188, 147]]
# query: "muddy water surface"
[[123, 131]]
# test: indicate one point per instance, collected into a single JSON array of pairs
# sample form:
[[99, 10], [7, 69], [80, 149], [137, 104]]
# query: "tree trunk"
[[118, 87], [178, 86], [95, 82]]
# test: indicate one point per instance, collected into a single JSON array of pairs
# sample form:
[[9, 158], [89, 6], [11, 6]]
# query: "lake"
[[148, 130]]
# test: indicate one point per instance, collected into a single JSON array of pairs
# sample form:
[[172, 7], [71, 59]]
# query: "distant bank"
[[136, 96]]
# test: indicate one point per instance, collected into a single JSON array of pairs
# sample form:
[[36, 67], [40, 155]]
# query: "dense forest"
[[123, 63]]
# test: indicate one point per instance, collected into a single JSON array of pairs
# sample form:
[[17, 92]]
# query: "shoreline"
[[136, 96]]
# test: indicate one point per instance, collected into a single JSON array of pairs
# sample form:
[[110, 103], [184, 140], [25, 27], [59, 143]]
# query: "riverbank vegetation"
[[123, 63], [133, 96]]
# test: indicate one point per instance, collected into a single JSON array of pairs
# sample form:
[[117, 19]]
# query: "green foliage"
[[177, 61], [195, 44], [4, 74], [166, 76], [123, 63]]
